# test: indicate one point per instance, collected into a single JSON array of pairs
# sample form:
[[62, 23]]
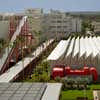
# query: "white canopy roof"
[[76, 49], [70, 47], [82, 48], [88, 46], [59, 50]]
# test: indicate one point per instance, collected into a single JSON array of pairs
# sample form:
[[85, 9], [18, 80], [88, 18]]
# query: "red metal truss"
[[14, 22]]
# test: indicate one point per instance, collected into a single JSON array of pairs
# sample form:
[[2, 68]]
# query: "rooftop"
[[30, 91]]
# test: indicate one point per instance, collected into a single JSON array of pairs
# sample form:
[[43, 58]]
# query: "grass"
[[95, 86], [73, 94]]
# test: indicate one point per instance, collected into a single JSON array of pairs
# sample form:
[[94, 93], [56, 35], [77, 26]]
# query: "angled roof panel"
[[82, 47], [59, 50], [88, 47], [70, 47], [97, 44], [76, 48], [93, 47]]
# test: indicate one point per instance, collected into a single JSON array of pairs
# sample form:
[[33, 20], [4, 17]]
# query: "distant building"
[[60, 23], [34, 12], [96, 26], [5, 19], [52, 23], [4, 27], [35, 16]]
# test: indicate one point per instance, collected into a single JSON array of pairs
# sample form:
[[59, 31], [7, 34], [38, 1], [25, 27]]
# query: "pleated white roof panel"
[[83, 48], [89, 50], [93, 47], [96, 43], [70, 47], [88, 46], [98, 38], [76, 48], [59, 50]]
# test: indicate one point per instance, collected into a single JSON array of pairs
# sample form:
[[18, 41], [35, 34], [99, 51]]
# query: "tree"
[[44, 78], [86, 24], [41, 72], [58, 79], [2, 44]]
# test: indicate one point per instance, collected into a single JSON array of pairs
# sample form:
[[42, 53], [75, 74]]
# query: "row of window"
[[60, 21], [59, 27], [58, 31]]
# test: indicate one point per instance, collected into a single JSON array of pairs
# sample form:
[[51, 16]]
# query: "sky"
[[64, 5]]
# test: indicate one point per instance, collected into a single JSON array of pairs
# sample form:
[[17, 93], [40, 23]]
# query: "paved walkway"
[[52, 91]]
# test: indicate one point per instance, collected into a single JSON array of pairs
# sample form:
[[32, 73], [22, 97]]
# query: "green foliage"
[[44, 78], [41, 73], [75, 83], [86, 24], [37, 33], [58, 79], [45, 65], [2, 44], [42, 70], [73, 94], [39, 70]]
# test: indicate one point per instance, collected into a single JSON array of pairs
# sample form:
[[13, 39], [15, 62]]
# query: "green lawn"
[[73, 94]]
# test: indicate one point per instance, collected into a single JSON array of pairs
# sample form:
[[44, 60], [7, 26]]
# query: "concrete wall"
[[4, 26]]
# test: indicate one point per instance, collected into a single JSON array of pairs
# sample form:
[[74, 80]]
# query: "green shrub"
[[44, 78], [58, 79]]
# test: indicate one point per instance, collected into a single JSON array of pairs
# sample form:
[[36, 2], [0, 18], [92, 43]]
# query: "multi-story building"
[[4, 27], [60, 23], [96, 26], [54, 23], [35, 16], [5, 19], [8, 20]]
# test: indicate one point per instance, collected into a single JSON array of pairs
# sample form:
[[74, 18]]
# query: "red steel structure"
[[64, 71], [27, 40], [13, 23]]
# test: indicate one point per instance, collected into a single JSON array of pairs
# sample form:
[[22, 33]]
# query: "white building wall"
[[4, 27]]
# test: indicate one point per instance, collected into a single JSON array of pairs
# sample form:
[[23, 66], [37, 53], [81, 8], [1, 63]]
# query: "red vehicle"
[[63, 71]]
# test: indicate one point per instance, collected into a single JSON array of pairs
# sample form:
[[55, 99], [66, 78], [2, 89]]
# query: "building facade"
[[34, 16], [60, 23], [96, 26], [4, 28], [54, 23]]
